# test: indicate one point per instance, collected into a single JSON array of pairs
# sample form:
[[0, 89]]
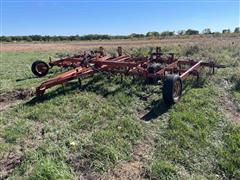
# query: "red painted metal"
[[66, 62], [125, 65], [187, 72]]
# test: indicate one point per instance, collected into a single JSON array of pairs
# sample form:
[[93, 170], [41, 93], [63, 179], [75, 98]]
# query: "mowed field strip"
[[76, 45]]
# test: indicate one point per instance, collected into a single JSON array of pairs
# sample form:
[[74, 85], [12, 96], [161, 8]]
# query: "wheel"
[[172, 89], [152, 69], [40, 68]]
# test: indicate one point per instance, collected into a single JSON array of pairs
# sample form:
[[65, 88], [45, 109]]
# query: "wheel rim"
[[41, 68], [177, 90]]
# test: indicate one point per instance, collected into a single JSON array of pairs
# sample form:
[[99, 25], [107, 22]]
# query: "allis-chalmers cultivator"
[[170, 70]]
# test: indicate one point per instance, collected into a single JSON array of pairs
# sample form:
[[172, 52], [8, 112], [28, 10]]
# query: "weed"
[[164, 170], [49, 169]]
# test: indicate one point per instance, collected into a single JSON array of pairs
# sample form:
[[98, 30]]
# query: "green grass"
[[187, 141], [80, 126], [91, 131], [49, 169], [16, 69], [229, 152]]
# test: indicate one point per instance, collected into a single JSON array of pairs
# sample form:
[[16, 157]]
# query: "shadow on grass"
[[198, 84], [26, 78], [50, 95], [158, 108], [94, 84], [97, 84]]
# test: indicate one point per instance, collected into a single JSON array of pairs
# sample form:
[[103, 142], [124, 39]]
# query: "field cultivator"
[[172, 71]]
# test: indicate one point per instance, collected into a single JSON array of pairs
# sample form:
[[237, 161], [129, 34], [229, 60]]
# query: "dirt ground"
[[10, 98], [114, 43]]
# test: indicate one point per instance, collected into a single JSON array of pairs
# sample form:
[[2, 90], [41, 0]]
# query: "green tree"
[[55, 38], [27, 38], [237, 30], [134, 35], [167, 33], [36, 37], [6, 39], [226, 31], [153, 34], [192, 32], [206, 31]]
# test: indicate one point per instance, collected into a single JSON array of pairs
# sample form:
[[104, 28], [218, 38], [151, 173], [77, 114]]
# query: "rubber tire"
[[34, 71], [168, 87], [152, 69]]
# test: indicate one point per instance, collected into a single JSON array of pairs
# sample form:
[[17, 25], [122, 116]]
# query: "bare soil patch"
[[134, 169], [8, 163], [8, 99], [230, 108], [231, 112]]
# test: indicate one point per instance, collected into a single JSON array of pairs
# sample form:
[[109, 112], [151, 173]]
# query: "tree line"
[[152, 34]]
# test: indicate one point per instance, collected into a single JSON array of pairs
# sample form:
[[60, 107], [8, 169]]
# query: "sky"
[[122, 17]]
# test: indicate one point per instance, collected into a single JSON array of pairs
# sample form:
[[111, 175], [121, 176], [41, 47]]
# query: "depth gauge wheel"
[[40, 68], [172, 89]]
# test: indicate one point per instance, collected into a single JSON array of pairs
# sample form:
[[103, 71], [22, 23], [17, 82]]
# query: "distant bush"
[[134, 35], [153, 34], [167, 33], [27, 38], [192, 32], [36, 37], [225, 31], [6, 38], [206, 31], [237, 30], [95, 37]]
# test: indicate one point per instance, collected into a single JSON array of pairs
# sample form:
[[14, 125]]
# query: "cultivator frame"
[[172, 71]]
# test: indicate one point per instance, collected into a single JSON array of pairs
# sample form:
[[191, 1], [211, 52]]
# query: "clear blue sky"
[[27, 17]]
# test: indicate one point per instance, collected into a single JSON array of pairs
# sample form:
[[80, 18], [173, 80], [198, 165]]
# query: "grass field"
[[112, 129]]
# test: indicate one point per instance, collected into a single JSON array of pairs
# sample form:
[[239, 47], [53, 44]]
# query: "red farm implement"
[[172, 71], [41, 68]]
